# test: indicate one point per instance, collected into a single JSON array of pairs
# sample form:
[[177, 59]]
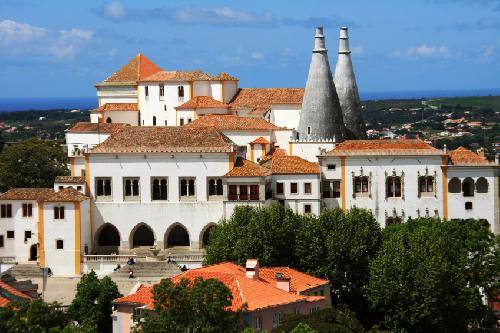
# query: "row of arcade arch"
[[142, 235]]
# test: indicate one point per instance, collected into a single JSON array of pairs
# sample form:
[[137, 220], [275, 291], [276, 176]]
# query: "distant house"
[[267, 292]]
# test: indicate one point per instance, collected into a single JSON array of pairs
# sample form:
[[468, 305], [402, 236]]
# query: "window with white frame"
[[276, 319], [331, 188], [361, 185], [215, 188], [258, 323], [159, 188], [426, 186], [280, 188], [307, 209], [294, 188], [131, 189], [307, 188], [103, 188], [187, 188]]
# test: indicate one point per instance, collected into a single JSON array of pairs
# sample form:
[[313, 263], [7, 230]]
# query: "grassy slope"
[[486, 102]]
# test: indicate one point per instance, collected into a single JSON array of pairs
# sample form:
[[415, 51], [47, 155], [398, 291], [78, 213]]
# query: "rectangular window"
[[1, 240], [103, 188], [27, 235], [180, 91], [307, 209], [59, 244], [254, 192], [59, 213], [307, 188], [258, 323], [162, 91], [393, 187], [279, 188], [215, 187], [276, 319], [146, 91], [131, 189], [10, 234], [27, 210], [336, 189], [181, 121], [468, 205], [243, 192], [61, 187], [187, 188], [159, 189], [6, 210], [331, 166], [361, 185], [233, 193], [189, 120], [293, 188], [426, 186], [79, 188]]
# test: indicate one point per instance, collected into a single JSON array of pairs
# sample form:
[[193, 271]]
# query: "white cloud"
[[422, 51], [257, 55], [18, 37], [357, 49], [114, 10]]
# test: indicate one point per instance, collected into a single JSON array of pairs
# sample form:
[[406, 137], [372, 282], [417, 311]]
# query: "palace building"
[[168, 154]]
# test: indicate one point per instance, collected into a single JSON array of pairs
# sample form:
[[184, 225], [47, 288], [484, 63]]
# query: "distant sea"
[[17, 104]]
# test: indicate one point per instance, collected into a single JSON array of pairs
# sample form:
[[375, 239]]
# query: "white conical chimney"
[[347, 90]]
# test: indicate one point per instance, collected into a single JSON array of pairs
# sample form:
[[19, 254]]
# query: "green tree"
[[338, 319], [303, 328], [31, 163], [429, 275], [92, 305], [200, 306]]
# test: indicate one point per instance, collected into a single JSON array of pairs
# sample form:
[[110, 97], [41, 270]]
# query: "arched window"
[[393, 187], [154, 120], [454, 185], [108, 120], [468, 187], [482, 185], [361, 185]]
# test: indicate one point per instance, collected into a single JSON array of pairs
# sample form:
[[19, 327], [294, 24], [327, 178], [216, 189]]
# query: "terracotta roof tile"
[[285, 165], [162, 139], [67, 194], [118, 107], [224, 77], [9, 294], [225, 122], [259, 100], [463, 156], [200, 102], [178, 76], [36, 194], [96, 127], [299, 281], [246, 168], [70, 180], [384, 147], [136, 69], [260, 140], [273, 152], [255, 294]]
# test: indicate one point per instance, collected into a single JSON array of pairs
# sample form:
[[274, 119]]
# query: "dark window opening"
[[393, 187], [6, 211], [279, 188], [180, 91], [59, 213], [468, 187], [10, 234], [27, 210], [160, 189], [468, 205], [59, 244], [178, 236]]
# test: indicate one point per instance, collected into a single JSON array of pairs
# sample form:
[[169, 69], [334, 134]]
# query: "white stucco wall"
[[116, 94], [285, 115], [297, 201], [124, 117], [309, 150]]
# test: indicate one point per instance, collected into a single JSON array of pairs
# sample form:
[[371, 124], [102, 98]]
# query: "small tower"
[[347, 90], [321, 116]]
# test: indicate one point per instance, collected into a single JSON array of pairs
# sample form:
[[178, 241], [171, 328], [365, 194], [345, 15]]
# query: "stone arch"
[[481, 185], [454, 185], [108, 120], [468, 187], [107, 239], [177, 235], [142, 235], [205, 233]]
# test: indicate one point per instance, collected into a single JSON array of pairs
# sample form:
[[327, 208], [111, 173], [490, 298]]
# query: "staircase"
[[146, 271], [23, 271]]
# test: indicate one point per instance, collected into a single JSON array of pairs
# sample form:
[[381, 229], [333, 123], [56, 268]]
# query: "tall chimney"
[[347, 90], [282, 282], [321, 116], [252, 269]]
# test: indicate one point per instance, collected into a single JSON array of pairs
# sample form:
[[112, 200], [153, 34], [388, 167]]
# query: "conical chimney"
[[321, 116], [347, 90]]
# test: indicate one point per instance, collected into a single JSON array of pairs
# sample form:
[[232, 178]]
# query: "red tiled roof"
[[226, 122], [246, 168], [200, 102], [162, 139], [68, 194], [8, 294], [299, 281], [463, 156], [96, 127], [259, 100], [37, 194], [70, 179], [273, 152], [224, 77], [255, 294], [118, 107], [384, 147], [260, 140], [177, 76], [290, 165], [136, 69]]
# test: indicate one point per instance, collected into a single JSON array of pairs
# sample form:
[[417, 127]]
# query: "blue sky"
[[62, 48]]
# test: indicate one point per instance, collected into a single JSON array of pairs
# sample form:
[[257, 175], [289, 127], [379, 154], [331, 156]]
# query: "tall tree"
[[92, 305], [197, 306], [429, 275], [31, 163]]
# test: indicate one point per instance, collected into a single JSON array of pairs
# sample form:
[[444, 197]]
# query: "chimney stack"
[[252, 269], [347, 90], [282, 282]]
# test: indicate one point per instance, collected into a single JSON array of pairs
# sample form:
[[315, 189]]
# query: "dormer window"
[[180, 91]]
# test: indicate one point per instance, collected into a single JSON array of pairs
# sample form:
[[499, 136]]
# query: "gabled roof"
[[36, 194], [200, 102], [273, 152], [245, 168], [224, 77], [135, 70], [178, 76], [299, 282], [463, 156], [259, 100], [227, 122], [68, 194], [285, 165], [84, 127], [163, 139], [70, 180], [10, 294], [256, 294], [260, 140], [118, 107], [383, 147]]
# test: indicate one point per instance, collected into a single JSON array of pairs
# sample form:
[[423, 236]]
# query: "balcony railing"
[[7, 260]]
